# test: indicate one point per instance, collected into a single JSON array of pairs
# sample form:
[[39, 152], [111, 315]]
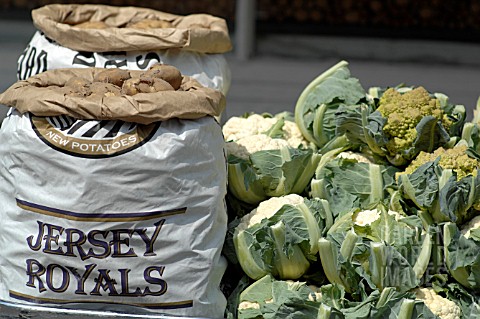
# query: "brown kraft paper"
[[196, 32], [41, 96]]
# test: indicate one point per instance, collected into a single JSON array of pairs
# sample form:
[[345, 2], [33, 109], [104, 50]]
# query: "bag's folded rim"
[[201, 32], [41, 95]]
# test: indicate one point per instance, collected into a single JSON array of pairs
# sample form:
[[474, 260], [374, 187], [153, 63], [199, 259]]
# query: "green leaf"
[[421, 186], [389, 268], [276, 131], [455, 198], [333, 295], [462, 252], [284, 171], [303, 227], [271, 173], [374, 136], [347, 184], [255, 248], [471, 135], [243, 181], [334, 84], [430, 135]]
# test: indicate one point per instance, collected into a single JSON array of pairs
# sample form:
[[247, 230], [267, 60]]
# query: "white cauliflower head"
[[440, 306], [238, 127], [474, 223], [245, 305], [366, 217], [268, 208], [316, 294], [359, 157], [250, 144], [293, 135]]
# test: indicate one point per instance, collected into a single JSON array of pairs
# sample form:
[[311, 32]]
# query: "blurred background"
[[280, 45]]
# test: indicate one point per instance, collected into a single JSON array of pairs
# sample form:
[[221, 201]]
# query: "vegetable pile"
[[360, 203]]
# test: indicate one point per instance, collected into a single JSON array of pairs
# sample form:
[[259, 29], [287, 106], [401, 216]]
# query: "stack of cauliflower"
[[359, 204]]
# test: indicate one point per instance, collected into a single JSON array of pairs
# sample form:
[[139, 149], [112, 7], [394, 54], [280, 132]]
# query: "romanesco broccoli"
[[455, 159], [403, 112]]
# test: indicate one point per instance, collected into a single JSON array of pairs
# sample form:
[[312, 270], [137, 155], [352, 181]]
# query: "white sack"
[[140, 229], [42, 54]]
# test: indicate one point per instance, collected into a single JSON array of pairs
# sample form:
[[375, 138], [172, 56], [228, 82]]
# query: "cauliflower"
[[474, 223], [250, 144], [366, 217], [403, 111], [293, 135], [267, 209], [245, 305], [267, 157], [440, 306], [455, 159], [238, 128], [359, 157], [316, 294], [261, 241]]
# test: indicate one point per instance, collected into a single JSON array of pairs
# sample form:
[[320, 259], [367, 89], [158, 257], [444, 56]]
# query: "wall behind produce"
[[452, 20]]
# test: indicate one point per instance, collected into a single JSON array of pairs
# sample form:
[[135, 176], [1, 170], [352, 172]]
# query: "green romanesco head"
[[404, 111], [455, 159]]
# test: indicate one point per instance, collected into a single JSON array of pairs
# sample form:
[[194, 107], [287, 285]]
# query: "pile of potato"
[[117, 82]]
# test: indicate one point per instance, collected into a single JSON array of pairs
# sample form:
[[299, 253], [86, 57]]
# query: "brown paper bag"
[[41, 96], [196, 32]]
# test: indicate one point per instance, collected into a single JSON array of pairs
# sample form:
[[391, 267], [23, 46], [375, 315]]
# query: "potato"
[[101, 89], [145, 85], [69, 91], [77, 86], [150, 24], [92, 25], [113, 76], [166, 72]]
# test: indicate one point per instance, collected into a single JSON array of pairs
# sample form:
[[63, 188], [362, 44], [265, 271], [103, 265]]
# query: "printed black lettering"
[[21, 59], [115, 64], [84, 58], [34, 271], [146, 62], [42, 62], [30, 63], [38, 243], [28, 60], [147, 274], [150, 241], [52, 277], [104, 282], [117, 243]]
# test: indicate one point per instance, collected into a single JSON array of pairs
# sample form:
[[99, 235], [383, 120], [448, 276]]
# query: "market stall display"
[[122, 192], [388, 228]]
